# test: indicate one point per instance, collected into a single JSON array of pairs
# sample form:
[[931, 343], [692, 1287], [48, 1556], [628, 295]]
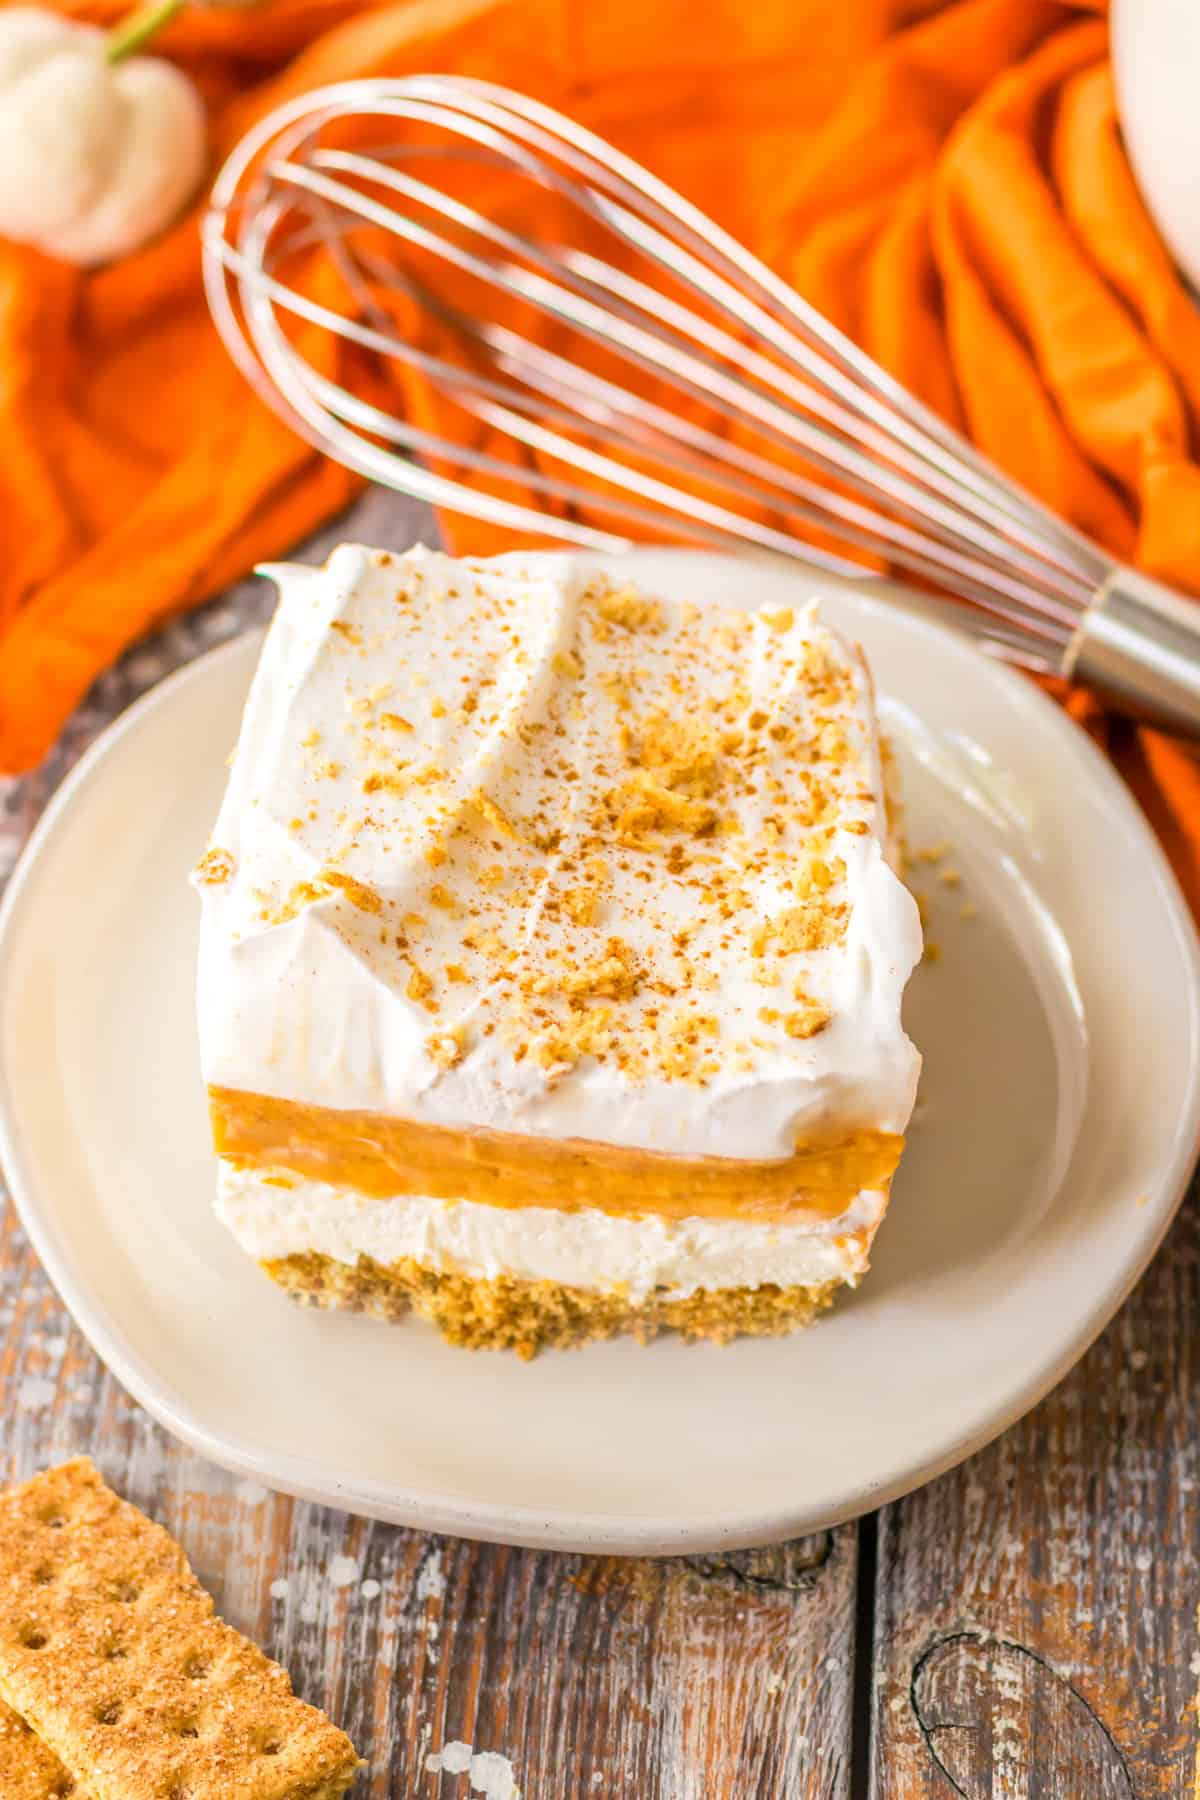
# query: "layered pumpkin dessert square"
[[552, 954]]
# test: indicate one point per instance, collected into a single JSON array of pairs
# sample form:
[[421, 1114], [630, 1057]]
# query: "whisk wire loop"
[[675, 386]]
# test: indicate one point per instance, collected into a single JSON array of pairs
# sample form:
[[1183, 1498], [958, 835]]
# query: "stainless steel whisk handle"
[[1138, 646]]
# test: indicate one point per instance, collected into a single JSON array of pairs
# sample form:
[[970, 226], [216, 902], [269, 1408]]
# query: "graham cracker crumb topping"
[[446, 1048], [599, 825], [625, 606], [357, 892], [214, 867], [418, 986], [613, 975]]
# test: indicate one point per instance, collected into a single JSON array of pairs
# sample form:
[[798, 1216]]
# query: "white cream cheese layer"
[[588, 1250], [406, 857]]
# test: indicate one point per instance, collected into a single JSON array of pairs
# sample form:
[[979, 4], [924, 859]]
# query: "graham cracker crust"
[[528, 1316]]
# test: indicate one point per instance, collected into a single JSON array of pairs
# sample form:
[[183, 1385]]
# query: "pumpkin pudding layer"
[[552, 955]]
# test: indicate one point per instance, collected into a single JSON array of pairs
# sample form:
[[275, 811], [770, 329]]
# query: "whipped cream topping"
[[506, 844], [275, 1213]]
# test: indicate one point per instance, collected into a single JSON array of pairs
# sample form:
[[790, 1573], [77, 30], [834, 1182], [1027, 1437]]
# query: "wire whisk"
[[630, 372]]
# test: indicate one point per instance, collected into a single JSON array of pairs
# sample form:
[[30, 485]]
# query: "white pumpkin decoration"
[[97, 153]]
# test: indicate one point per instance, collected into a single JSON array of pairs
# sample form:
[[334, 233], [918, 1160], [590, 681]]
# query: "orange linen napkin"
[[945, 180]]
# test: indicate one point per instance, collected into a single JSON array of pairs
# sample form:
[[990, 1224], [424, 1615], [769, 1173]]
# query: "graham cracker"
[[28, 1771], [109, 1649]]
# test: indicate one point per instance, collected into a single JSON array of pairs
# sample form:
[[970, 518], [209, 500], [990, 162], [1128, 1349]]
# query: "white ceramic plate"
[[1057, 1128]]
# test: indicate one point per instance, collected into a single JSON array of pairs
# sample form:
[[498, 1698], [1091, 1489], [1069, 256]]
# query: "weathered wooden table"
[[1023, 1629]]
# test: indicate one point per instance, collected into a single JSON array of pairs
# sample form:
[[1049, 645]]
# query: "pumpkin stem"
[[139, 27]]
